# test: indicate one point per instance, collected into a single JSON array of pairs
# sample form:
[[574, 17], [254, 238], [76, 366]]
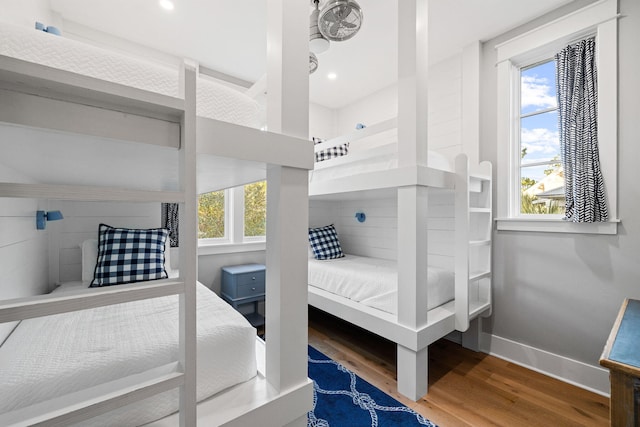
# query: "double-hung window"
[[531, 181]]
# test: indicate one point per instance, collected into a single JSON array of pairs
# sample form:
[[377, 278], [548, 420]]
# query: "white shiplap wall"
[[377, 236], [81, 221], [24, 266], [445, 108]]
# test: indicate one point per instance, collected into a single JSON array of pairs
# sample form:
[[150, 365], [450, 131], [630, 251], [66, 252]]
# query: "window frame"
[[597, 19]]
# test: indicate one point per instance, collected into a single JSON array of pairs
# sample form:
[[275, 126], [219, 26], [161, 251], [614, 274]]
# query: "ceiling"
[[229, 36]]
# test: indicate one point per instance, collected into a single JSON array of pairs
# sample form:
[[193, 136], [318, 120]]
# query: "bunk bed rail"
[[358, 134]]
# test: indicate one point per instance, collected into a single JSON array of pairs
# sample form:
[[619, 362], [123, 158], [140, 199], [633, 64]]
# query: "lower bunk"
[[49, 363], [363, 291], [47, 358]]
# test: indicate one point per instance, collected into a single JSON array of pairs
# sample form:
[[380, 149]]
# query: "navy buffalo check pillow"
[[331, 152], [324, 242], [129, 255]]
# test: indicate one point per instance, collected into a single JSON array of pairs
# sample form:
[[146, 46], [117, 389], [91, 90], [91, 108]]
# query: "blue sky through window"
[[538, 132]]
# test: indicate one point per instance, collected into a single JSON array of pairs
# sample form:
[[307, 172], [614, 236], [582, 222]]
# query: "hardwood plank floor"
[[465, 388]]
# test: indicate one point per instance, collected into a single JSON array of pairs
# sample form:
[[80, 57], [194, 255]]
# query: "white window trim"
[[234, 240], [598, 18]]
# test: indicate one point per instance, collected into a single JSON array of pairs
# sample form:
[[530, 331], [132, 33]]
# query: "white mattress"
[[54, 355], [213, 100], [374, 281]]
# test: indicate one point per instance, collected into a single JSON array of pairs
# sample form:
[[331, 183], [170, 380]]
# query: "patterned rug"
[[343, 399]]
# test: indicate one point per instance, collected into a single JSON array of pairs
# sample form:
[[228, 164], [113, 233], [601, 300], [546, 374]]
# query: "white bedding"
[[54, 355], [374, 282], [213, 100]]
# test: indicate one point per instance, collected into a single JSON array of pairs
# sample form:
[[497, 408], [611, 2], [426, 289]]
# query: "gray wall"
[[561, 292]]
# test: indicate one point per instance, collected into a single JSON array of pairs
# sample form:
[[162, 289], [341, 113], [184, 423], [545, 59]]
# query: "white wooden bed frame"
[[472, 194], [281, 393], [414, 328]]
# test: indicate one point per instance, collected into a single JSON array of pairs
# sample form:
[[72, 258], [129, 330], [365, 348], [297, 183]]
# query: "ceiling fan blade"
[[331, 17], [343, 12]]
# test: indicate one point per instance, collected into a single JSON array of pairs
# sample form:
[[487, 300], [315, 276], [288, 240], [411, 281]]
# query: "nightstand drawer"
[[250, 278], [250, 289]]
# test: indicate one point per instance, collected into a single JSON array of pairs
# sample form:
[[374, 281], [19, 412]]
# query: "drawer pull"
[[253, 278], [253, 289]]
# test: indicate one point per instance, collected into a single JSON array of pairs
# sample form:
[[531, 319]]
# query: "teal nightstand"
[[244, 284]]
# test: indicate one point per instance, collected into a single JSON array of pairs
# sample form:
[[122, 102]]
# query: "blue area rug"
[[343, 399]]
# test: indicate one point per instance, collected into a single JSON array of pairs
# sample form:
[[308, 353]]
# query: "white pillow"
[[90, 257]]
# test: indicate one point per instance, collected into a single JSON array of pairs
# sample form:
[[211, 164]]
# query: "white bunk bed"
[[443, 257], [58, 104]]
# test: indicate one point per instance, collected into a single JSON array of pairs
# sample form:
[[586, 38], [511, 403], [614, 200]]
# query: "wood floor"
[[465, 388]]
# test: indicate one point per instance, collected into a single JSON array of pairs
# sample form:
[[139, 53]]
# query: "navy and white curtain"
[[577, 94], [170, 222]]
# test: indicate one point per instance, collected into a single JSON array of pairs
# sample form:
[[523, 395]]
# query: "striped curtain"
[[170, 222], [577, 94]]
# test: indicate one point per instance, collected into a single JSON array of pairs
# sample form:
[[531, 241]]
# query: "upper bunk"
[[365, 162], [58, 93]]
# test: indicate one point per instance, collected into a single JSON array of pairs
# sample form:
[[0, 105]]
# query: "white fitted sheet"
[[374, 281], [214, 100], [50, 356]]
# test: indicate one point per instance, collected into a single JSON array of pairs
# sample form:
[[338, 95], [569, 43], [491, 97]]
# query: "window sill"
[[546, 225], [230, 248]]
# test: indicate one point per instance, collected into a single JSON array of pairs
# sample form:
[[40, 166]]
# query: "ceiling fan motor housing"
[[340, 20]]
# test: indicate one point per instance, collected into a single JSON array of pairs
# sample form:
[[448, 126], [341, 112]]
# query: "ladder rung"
[[479, 242], [477, 275]]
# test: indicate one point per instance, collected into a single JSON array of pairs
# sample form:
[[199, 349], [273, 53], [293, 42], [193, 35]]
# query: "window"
[[233, 216], [255, 209], [529, 176], [541, 176], [211, 215]]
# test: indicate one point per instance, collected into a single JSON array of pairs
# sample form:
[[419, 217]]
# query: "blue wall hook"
[[360, 216]]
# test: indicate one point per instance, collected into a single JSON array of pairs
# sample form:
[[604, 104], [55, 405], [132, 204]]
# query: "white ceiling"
[[229, 35]]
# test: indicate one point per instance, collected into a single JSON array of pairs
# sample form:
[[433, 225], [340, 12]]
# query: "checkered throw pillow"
[[324, 242], [129, 255], [331, 152]]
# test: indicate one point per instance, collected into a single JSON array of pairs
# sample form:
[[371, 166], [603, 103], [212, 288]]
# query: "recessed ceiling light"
[[332, 76], [166, 4]]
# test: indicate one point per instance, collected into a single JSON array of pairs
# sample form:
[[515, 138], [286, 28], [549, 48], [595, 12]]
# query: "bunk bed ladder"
[[473, 219], [97, 400]]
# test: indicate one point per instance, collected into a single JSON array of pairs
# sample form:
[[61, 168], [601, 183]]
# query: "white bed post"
[[188, 241], [412, 200], [287, 198], [413, 68]]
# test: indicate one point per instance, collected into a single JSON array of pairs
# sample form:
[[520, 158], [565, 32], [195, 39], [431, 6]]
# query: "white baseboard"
[[589, 377]]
